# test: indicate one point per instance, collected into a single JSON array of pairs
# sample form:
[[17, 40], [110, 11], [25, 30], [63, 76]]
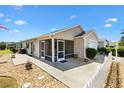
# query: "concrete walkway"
[[75, 77], [118, 59]]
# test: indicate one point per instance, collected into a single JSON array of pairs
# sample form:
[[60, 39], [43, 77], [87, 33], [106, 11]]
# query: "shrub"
[[14, 50], [103, 51], [28, 66], [112, 50], [121, 52], [91, 53], [22, 51], [2, 46]]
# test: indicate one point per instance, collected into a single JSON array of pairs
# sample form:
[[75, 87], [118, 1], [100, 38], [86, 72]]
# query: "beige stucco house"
[[61, 44]]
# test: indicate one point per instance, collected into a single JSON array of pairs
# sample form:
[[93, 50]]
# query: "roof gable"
[[87, 34]]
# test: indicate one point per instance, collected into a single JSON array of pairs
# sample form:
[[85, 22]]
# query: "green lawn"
[[5, 51], [8, 82]]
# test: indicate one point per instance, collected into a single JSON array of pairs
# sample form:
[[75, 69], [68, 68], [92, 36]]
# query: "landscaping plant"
[[2, 46], [91, 53], [103, 50], [121, 52], [28, 66]]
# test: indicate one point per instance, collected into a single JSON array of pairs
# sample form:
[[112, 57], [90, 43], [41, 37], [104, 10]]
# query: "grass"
[[7, 51], [8, 82]]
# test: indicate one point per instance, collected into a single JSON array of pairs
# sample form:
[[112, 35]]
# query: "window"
[[27, 45]]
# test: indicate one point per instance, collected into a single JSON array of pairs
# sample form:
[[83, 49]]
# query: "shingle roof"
[[61, 30], [80, 34]]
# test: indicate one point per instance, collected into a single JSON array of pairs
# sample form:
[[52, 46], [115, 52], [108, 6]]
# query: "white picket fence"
[[100, 76]]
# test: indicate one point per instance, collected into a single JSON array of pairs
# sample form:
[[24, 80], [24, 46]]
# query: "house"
[[61, 44], [10, 45], [103, 43], [112, 44]]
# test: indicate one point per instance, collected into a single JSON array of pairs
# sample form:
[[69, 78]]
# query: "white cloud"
[[8, 20], [107, 25], [53, 29], [111, 20], [1, 15], [73, 16], [16, 31], [20, 22]]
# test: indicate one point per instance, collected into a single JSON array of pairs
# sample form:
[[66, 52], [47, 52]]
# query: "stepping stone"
[[42, 77], [27, 85]]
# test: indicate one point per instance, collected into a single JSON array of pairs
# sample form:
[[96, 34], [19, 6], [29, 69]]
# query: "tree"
[[2, 46], [121, 43]]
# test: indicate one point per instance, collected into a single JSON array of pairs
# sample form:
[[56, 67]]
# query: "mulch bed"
[[116, 76]]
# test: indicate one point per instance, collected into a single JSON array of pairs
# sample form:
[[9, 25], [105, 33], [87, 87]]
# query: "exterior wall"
[[101, 44], [79, 47], [18, 46], [91, 38], [24, 45], [68, 34]]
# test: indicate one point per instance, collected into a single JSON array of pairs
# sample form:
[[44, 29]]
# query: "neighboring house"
[[112, 44], [11, 45], [103, 43], [61, 44], [18, 45]]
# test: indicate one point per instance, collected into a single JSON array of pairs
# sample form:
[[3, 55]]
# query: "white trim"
[[42, 50], [84, 48], [53, 50], [60, 59], [38, 48]]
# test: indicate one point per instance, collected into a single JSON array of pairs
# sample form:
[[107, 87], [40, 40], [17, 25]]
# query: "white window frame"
[[42, 50], [60, 59]]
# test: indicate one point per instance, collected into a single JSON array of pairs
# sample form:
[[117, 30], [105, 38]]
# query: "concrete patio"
[[73, 73]]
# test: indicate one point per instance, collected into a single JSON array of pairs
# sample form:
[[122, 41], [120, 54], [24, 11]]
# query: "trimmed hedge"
[[91, 53], [120, 51], [112, 50], [103, 51]]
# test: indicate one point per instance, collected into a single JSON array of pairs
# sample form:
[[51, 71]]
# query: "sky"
[[25, 22]]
